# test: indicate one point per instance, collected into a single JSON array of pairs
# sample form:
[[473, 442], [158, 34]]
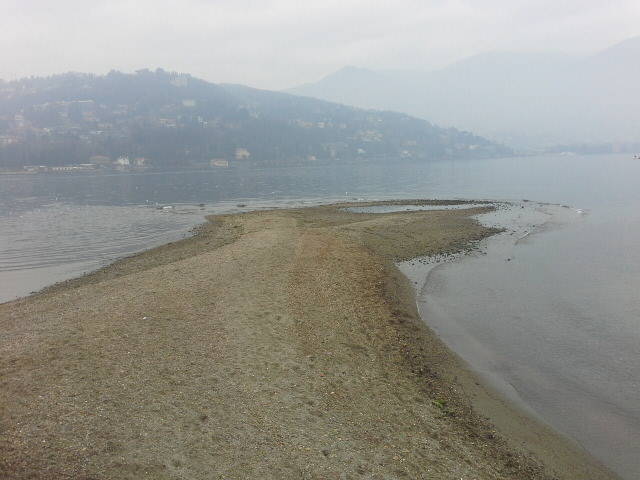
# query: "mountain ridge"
[[524, 99]]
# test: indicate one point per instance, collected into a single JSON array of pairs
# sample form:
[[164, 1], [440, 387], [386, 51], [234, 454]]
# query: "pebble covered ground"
[[272, 345]]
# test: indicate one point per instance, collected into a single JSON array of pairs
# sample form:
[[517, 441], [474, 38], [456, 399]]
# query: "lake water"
[[559, 323]]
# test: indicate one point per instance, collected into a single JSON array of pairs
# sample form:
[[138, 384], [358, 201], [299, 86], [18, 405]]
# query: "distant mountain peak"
[[530, 99], [621, 57], [350, 73], [352, 70], [629, 43], [630, 46], [350, 77]]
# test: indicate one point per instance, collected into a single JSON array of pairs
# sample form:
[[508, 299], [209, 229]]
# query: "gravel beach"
[[281, 344]]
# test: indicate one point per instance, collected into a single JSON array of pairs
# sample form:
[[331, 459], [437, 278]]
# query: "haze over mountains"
[[166, 119], [522, 99]]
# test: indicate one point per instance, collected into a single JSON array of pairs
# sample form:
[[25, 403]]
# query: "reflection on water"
[[560, 319]]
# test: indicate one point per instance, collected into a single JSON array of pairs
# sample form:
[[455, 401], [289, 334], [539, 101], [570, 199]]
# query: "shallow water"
[[523, 320], [412, 208], [559, 322], [57, 240]]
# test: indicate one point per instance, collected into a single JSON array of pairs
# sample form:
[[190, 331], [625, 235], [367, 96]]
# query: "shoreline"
[[421, 400], [493, 396]]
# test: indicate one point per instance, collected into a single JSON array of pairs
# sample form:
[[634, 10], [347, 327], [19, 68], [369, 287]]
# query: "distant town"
[[101, 163]]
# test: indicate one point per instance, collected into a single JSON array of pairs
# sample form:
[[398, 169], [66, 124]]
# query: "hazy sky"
[[280, 43]]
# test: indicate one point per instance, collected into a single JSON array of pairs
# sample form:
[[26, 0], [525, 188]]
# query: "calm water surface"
[[560, 323]]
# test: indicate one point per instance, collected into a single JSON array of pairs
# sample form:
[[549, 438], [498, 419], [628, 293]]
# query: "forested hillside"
[[169, 119]]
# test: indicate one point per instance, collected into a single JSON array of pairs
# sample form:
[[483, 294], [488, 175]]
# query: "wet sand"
[[278, 344]]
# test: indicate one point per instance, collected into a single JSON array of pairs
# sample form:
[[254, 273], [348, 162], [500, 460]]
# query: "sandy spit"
[[272, 345]]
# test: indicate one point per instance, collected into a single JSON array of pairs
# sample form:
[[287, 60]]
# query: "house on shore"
[[242, 154], [122, 162], [218, 162]]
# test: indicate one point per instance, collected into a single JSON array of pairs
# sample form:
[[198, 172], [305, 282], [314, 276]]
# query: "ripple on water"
[[58, 234]]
